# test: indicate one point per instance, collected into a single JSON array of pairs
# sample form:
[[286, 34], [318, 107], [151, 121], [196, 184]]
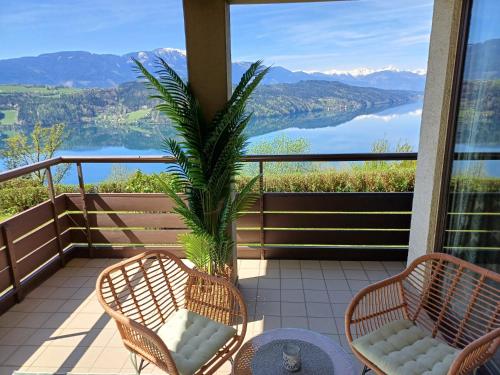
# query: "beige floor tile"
[[373, 265], [357, 285], [53, 356], [319, 310], [312, 273], [249, 283], [67, 337], [267, 308], [250, 263], [8, 370], [339, 296], [63, 293], [75, 281], [40, 336], [268, 295], [71, 306], [313, 284], [41, 292], [337, 285], [58, 320], [55, 281], [269, 283], [293, 309], [92, 306], [272, 273], [310, 264], [85, 357], [289, 263], [111, 358], [17, 336], [11, 318], [355, 274], [294, 322], [291, 273], [330, 264], [339, 309], [249, 294], [23, 356], [34, 320], [316, 296], [292, 295], [377, 275], [50, 305], [78, 262], [84, 293], [323, 325], [351, 265], [333, 274], [246, 273], [270, 322], [88, 321], [27, 305], [5, 352], [291, 284]]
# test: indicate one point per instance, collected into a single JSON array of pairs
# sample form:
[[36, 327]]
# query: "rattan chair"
[[439, 316], [176, 318]]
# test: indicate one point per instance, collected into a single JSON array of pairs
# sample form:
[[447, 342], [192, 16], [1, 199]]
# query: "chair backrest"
[[146, 288], [456, 301]]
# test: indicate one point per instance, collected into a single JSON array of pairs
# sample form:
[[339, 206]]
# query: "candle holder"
[[291, 357]]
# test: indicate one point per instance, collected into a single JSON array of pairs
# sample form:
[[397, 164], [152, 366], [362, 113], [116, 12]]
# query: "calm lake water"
[[396, 125]]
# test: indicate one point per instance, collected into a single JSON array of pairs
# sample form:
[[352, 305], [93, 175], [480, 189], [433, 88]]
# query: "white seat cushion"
[[193, 339], [402, 348]]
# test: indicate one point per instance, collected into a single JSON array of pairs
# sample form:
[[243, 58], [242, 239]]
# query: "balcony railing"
[[41, 239]]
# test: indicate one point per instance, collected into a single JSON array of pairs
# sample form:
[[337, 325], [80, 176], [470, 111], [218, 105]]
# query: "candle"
[[291, 357]]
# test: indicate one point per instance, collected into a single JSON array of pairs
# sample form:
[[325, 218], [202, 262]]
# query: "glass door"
[[472, 229]]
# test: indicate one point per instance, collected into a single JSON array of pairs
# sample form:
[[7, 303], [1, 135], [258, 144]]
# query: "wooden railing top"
[[343, 157]]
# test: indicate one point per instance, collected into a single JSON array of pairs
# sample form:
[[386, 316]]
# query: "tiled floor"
[[61, 327]]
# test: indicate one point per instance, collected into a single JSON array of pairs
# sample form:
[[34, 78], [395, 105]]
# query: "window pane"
[[473, 230]]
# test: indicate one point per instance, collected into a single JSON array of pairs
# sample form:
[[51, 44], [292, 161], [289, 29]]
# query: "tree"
[[208, 159], [281, 145], [40, 145]]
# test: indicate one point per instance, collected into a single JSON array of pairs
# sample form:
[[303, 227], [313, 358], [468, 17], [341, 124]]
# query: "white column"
[[433, 132]]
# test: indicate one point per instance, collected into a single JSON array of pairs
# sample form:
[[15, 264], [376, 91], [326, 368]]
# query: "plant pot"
[[211, 300]]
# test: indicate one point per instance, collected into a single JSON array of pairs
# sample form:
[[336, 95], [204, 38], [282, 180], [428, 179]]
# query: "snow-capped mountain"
[[85, 69]]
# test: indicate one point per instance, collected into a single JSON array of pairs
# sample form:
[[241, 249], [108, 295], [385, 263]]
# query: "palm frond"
[[208, 159]]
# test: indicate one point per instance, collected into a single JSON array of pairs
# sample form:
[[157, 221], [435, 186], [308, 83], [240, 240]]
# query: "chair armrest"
[[375, 306], [476, 353], [145, 342], [217, 299]]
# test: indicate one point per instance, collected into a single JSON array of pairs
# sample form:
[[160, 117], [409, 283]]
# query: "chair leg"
[[365, 370], [138, 365]]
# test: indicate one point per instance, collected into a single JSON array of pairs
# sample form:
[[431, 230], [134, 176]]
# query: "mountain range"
[[89, 70]]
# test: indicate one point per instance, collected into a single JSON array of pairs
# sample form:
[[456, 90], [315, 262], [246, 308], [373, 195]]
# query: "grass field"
[[43, 90], [137, 115], [10, 117]]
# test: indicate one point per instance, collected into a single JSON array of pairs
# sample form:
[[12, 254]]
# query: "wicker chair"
[[439, 316], [176, 318]]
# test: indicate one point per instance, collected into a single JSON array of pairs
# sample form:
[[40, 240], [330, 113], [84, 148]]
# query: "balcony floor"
[[60, 326]]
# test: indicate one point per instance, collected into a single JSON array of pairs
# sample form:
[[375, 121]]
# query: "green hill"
[[129, 103]]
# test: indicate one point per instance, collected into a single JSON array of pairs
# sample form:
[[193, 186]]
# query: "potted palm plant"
[[209, 157]]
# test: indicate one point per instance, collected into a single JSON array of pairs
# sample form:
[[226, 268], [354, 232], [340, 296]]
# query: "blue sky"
[[323, 36]]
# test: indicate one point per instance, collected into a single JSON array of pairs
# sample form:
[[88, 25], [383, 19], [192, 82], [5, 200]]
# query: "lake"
[[396, 125]]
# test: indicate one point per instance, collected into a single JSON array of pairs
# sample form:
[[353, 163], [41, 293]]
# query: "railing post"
[[84, 207], [11, 257], [55, 216], [261, 209]]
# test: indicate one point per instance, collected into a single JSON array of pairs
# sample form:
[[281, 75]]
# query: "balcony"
[[302, 256], [60, 327]]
